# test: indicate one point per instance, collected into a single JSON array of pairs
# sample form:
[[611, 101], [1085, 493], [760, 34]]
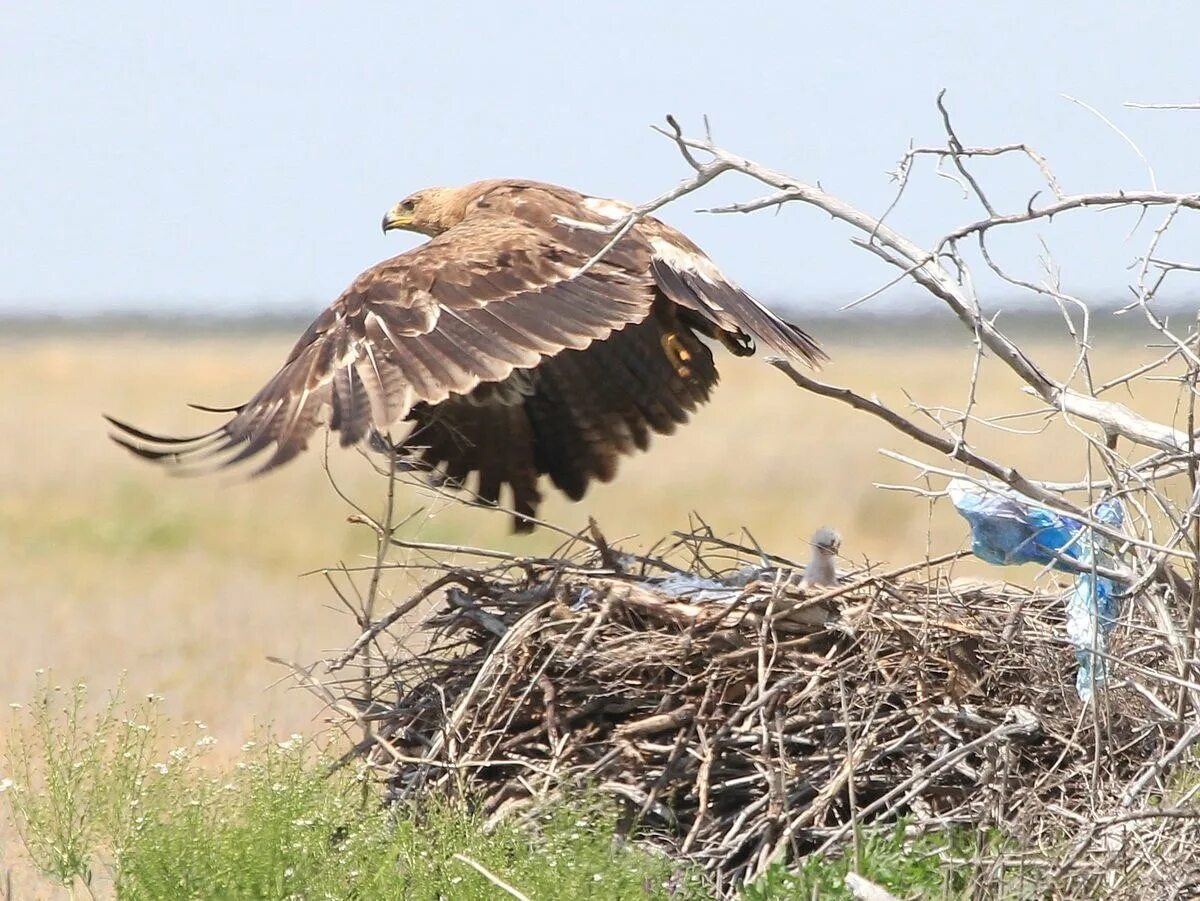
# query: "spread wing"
[[489, 296], [683, 272]]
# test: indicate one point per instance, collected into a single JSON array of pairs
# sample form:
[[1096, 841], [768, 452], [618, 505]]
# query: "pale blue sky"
[[220, 156]]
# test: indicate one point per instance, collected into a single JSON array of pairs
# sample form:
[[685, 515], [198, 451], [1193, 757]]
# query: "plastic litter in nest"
[[1009, 529]]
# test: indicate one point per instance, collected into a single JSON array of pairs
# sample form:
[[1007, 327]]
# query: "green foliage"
[[77, 780], [88, 791], [277, 827], [905, 867]]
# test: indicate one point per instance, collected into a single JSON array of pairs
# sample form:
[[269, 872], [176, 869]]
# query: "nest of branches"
[[743, 719]]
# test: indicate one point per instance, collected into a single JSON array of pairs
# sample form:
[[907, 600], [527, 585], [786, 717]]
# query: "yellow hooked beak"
[[397, 217]]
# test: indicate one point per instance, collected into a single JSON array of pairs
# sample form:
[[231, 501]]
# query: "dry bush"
[[745, 720]]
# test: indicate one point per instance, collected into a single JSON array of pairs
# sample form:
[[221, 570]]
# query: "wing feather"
[[572, 419], [732, 310], [469, 307]]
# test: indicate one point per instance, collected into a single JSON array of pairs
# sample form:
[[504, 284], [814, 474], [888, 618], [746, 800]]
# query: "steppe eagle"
[[508, 361]]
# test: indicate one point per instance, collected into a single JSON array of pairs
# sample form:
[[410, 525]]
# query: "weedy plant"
[[102, 809], [78, 781]]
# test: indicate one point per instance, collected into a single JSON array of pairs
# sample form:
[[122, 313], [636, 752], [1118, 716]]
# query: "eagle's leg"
[[737, 343], [677, 353]]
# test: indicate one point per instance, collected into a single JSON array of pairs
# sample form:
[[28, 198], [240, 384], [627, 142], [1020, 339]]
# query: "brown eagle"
[[509, 355]]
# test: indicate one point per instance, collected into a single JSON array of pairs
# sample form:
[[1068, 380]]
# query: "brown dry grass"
[[108, 566]]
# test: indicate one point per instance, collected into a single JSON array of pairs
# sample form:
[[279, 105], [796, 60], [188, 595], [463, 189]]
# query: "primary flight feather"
[[509, 362]]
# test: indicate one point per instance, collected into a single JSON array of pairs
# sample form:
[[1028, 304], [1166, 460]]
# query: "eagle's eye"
[[408, 205]]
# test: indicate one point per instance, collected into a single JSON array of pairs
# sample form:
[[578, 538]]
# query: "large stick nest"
[[744, 720]]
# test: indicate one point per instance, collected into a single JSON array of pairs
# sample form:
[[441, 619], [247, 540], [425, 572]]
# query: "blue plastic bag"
[[1008, 528]]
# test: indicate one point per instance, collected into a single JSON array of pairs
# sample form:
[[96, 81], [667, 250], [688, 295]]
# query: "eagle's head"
[[821, 571], [420, 212], [433, 210], [429, 212], [827, 541]]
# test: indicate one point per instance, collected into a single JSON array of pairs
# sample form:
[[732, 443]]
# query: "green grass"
[[906, 867], [279, 829], [94, 802], [75, 784]]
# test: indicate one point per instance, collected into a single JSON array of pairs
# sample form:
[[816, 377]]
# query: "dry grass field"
[[108, 567]]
